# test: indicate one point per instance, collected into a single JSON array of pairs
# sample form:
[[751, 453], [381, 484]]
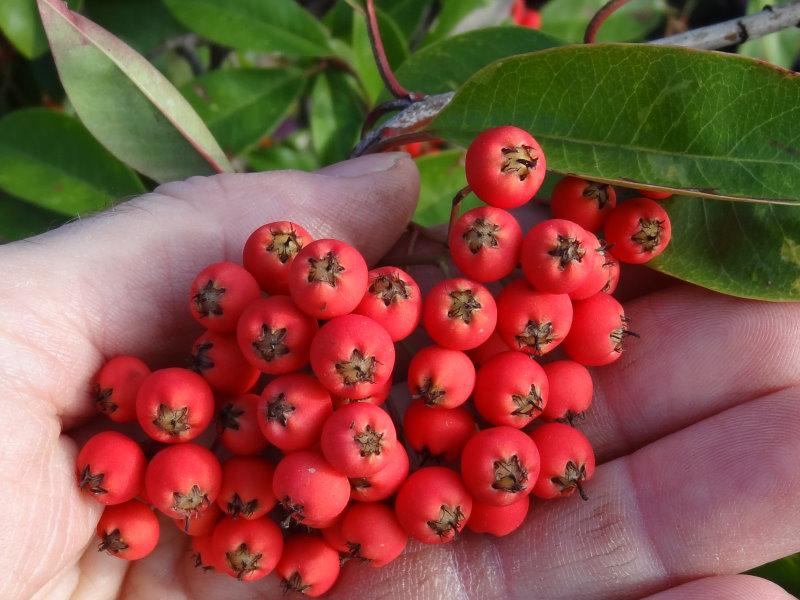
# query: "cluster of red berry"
[[339, 455]]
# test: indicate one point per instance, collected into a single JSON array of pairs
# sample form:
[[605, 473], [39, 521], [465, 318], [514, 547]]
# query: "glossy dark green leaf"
[[20, 219], [270, 26], [127, 103], [737, 248], [785, 572], [143, 24], [363, 60], [243, 105], [567, 19], [336, 116], [20, 23], [52, 161], [445, 65], [701, 123]]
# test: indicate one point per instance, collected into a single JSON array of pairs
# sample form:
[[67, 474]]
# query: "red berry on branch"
[[438, 432], [247, 550], [115, 386], [246, 488], [524, 16], [128, 531], [459, 314], [599, 329], [292, 411], [511, 389], [498, 521], [308, 565], [441, 377], [327, 279], [220, 293], [203, 524], [638, 230], [393, 300], [505, 166], [385, 482], [110, 467], [570, 390], [237, 425], [269, 252], [217, 357], [357, 438], [485, 243], [373, 533], [567, 461], [583, 202], [554, 256]]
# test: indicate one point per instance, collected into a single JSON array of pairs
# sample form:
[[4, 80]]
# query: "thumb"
[[118, 282]]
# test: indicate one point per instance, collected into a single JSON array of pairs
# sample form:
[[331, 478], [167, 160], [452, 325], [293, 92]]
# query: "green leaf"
[[441, 175], [143, 24], [336, 116], [451, 15], [270, 26], [408, 14], [457, 58], [241, 106], [780, 48], [20, 219], [51, 160], [700, 123], [129, 106], [363, 62], [19, 22], [567, 19], [739, 249], [294, 152]]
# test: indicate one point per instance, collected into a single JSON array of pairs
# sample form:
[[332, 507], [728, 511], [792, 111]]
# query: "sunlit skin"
[[695, 427]]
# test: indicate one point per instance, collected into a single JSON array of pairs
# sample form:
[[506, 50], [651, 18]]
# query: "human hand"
[[696, 425]]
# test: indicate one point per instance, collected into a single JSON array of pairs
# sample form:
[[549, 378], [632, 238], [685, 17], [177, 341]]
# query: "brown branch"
[[381, 60], [608, 9]]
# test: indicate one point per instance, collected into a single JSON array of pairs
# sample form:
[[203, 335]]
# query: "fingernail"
[[364, 165]]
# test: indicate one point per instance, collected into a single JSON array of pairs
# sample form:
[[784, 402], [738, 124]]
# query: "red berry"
[[505, 166], [524, 16], [373, 533], [183, 480], [530, 321], [352, 356], [269, 252], [385, 482], [203, 552], [433, 505], [567, 461], [174, 405], [554, 256], [356, 439], [128, 531], [310, 490], [247, 550], [237, 425], [485, 243], [292, 410], [638, 230], [583, 202], [220, 293], [498, 520], [459, 314], [491, 347], [203, 524], [308, 565], [327, 279], [511, 389], [441, 377], [499, 465], [570, 390], [115, 387], [275, 336], [110, 467], [393, 300], [438, 432], [246, 489], [655, 195], [377, 397], [217, 357], [598, 331]]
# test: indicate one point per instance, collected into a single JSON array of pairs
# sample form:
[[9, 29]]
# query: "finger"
[[730, 587], [699, 354], [703, 501], [117, 282]]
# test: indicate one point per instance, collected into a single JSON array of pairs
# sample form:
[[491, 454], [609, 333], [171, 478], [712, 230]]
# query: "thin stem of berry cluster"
[[608, 9], [381, 60]]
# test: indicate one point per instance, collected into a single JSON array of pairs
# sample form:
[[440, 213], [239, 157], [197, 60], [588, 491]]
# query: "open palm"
[[696, 426]]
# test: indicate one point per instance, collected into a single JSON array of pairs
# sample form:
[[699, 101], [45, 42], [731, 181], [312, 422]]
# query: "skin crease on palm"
[[696, 427]]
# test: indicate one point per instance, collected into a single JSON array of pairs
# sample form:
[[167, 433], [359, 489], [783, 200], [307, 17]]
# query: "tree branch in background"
[[382, 62], [407, 123]]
